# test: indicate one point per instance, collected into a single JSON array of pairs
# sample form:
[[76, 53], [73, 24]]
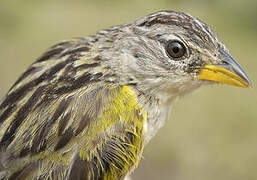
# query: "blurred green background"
[[211, 134]]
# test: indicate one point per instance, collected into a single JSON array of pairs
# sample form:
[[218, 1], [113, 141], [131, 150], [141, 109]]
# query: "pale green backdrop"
[[211, 134]]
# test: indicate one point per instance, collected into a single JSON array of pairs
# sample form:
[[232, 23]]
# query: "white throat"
[[158, 108]]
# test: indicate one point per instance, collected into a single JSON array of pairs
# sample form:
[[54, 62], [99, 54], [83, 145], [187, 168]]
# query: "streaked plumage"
[[87, 107]]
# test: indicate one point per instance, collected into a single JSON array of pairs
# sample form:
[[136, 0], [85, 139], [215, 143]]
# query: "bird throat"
[[158, 107]]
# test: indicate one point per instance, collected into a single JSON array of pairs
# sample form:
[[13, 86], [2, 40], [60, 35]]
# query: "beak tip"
[[250, 85], [247, 80], [232, 65]]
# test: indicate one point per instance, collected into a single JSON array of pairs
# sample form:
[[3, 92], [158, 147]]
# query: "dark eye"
[[176, 49]]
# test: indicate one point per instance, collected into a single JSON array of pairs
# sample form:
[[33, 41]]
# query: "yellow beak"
[[230, 72]]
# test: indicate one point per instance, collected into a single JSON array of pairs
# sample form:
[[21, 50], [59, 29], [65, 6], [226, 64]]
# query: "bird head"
[[174, 53]]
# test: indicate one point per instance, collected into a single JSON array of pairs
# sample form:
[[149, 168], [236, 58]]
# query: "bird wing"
[[61, 120]]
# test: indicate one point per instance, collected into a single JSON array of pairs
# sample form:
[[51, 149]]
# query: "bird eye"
[[176, 49]]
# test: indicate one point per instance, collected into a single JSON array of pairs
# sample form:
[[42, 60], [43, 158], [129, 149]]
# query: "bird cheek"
[[194, 65]]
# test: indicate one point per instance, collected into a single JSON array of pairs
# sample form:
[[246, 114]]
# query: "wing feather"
[[61, 120]]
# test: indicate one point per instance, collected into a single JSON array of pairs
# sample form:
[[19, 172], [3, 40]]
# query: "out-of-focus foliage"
[[211, 134]]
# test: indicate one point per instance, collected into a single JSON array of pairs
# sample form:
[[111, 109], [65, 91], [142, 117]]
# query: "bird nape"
[[87, 107]]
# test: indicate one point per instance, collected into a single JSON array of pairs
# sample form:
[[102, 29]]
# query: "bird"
[[88, 106]]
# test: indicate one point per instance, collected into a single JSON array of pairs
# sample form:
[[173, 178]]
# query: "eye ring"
[[176, 49]]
